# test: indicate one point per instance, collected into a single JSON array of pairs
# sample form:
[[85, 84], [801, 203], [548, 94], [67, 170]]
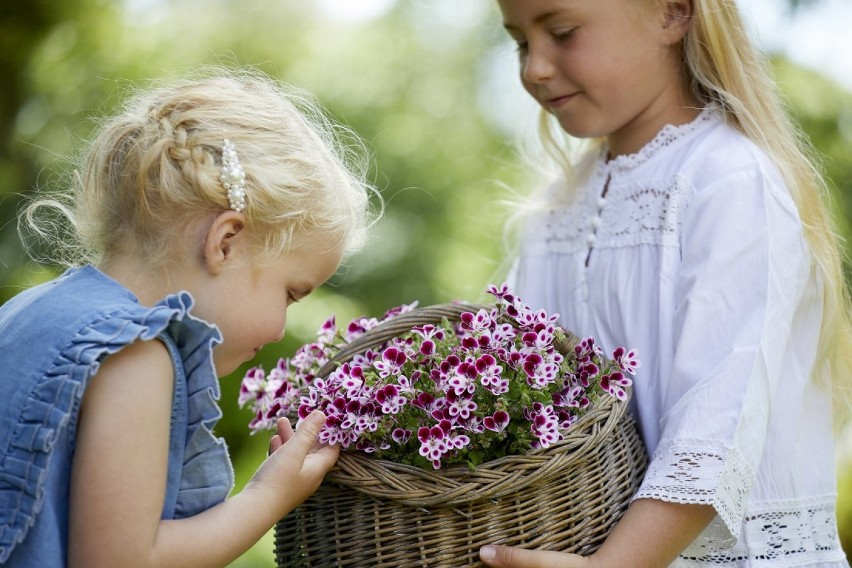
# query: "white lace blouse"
[[692, 251]]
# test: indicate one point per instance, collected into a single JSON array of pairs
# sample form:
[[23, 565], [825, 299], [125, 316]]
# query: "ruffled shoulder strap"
[[206, 475], [50, 409]]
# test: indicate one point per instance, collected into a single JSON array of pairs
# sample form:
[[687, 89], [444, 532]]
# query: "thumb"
[[307, 432], [513, 557]]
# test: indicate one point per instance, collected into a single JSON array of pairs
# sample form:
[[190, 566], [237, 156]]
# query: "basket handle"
[[402, 323]]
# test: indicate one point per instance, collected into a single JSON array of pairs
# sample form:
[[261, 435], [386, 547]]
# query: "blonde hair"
[[153, 169], [727, 70]]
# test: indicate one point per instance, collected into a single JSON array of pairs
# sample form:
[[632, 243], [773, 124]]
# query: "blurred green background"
[[427, 83]]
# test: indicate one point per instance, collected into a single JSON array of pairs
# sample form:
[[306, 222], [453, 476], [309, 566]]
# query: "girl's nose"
[[536, 65]]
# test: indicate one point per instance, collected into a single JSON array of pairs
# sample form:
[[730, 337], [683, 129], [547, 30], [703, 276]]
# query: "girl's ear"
[[678, 16], [225, 233]]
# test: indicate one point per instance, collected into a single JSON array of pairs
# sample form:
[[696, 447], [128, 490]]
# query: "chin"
[[226, 368], [580, 131]]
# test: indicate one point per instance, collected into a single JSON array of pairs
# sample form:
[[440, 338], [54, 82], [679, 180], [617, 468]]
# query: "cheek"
[[265, 324], [528, 87], [273, 326]]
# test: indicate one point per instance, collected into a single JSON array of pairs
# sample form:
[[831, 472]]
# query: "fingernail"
[[488, 552]]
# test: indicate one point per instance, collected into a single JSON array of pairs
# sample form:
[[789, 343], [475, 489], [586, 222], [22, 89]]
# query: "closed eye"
[[293, 296], [563, 35]]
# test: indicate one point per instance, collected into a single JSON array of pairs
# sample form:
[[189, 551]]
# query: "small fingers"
[[285, 430], [305, 437], [312, 425], [274, 443]]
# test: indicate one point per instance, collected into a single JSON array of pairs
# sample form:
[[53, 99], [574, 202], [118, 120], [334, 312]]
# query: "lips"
[[556, 102]]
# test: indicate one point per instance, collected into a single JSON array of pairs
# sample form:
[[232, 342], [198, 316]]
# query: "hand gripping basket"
[[379, 514]]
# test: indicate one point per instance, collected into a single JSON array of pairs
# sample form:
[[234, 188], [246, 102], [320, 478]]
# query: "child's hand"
[[511, 557], [296, 463]]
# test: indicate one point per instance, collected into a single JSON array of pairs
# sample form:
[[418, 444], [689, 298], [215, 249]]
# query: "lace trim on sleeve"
[[702, 473], [778, 535]]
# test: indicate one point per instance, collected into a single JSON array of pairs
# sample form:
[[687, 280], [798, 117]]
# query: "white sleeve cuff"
[[699, 472]]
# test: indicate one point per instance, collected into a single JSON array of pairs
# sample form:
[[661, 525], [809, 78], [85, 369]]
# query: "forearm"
[[117, 497], [219, 535], [213, 538], [652, 534]]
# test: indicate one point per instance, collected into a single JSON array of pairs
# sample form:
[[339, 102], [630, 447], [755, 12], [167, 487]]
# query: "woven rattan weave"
[[378, 514]]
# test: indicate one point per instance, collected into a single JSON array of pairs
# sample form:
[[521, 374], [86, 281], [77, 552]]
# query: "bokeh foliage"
[[417, 83]]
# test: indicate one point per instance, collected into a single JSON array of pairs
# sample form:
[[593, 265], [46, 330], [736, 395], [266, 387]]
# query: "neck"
[[646, 126], [674, 104], [149, 284]]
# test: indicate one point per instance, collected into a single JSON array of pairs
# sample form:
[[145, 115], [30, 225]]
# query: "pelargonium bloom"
[[390, 400], [460, 405], [402, 309], [503, 292], [350, 378], [616, 384], [252, 387], [545, 424], [426, 401], [391, 362], [327, 331], [434, 442], [587, 349], [462, 379], [400, 435], [628, 361], [359, 327], [480, 321], [571, 397], [430, 334], [496, 422], [333, 433]]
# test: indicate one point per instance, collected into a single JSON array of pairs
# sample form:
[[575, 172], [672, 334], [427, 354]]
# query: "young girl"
[[693, 228], [207, 208]]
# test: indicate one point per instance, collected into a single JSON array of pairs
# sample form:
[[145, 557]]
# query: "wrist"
[[263, 502], [594, 560]]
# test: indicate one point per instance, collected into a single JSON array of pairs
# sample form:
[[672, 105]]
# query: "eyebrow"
[[543, 17]]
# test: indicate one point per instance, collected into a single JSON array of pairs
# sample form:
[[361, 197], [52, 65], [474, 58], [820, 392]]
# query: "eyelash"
[[521, 46], [562, 36]]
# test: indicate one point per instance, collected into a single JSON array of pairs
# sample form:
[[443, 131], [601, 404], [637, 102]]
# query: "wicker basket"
[[379, 514]]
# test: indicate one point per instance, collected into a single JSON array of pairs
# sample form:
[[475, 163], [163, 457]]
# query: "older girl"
[[693, 227]]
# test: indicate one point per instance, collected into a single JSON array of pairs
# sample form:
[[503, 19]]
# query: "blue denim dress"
[[53, 338]]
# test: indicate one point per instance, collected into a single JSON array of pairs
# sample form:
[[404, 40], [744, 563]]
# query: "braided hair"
[[150, 178]]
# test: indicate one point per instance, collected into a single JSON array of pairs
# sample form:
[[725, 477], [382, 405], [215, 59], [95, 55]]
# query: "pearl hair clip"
[[233, 177]]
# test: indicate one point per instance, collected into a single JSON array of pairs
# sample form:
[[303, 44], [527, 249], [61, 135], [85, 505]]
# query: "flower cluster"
[[492, 384]]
